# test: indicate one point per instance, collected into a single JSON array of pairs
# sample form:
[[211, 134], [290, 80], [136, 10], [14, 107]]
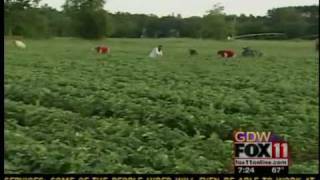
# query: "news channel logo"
[[260, 153]]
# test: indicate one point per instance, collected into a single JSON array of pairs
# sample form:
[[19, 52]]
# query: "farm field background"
[[69, 110]]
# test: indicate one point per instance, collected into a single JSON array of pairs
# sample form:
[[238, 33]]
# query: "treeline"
[[88, 19]]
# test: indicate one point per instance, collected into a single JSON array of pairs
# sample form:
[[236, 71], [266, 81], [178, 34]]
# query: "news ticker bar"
[[160, 177]]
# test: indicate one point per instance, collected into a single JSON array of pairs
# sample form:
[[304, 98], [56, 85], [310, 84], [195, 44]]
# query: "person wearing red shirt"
[[102, 50], [226, 53]]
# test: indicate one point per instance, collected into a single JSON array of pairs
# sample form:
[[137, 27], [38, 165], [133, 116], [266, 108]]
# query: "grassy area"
[[68, 109]]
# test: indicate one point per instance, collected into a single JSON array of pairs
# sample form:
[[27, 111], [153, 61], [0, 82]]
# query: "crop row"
[[185, 114], [103, 144]]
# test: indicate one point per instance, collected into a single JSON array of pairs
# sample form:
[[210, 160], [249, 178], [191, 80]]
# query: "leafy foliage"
[[67, 112]]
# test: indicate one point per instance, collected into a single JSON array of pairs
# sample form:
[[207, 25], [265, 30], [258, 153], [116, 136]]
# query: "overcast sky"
[[192, 7]]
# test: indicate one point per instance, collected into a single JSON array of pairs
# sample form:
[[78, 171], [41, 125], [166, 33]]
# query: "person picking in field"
[[19, 44], [156, 52], [102, 49], [229, 38], [248, 52], [226, 53], [193, 52]]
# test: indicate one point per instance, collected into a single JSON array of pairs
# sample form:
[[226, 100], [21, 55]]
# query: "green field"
[[66, 111]]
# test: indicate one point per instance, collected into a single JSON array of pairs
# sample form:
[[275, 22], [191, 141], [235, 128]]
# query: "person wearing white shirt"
[[156, 52], [19, 44]]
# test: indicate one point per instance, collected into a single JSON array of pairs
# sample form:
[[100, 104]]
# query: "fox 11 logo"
[[260, 153]]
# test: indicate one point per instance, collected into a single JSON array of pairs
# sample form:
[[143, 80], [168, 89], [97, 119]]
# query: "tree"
[[11, 5], [22, 17], [215, 25], [251, 25], [217, 9], [129, 25], [89, 18], [153, 26], [58, 23], [191, 27], [288, 20]]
